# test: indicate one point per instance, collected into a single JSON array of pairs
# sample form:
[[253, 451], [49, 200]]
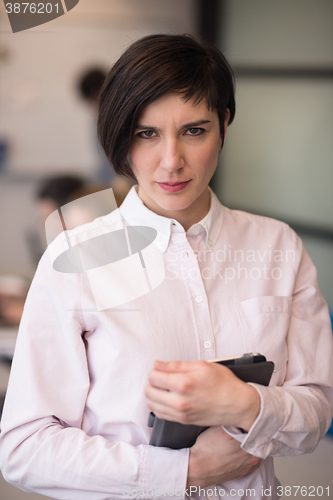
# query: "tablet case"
[[175, 435]]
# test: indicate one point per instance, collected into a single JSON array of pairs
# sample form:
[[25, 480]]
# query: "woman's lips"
[[173, 187]]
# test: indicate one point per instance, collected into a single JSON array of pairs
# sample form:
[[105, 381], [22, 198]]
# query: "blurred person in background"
[[56, 191], [52, 194], [89, 86]]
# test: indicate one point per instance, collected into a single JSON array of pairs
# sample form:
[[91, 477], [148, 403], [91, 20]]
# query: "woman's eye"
[[146, 134], [195, 131]]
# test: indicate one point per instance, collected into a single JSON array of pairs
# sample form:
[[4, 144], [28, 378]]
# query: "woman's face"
[[174, 155]]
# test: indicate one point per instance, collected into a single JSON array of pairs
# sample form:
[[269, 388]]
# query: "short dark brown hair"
[[150, 68]]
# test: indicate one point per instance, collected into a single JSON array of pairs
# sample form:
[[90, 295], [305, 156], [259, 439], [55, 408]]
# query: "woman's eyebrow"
[[146, 127], [195, 124], [186, 125]]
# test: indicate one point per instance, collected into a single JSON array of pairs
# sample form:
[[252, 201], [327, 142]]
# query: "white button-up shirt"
[[75, 418]]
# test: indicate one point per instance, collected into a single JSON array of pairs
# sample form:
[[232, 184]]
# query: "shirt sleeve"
[[294, 417], [42, 446]]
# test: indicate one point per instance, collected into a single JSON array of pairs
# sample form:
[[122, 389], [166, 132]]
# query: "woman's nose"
[[172, 156]]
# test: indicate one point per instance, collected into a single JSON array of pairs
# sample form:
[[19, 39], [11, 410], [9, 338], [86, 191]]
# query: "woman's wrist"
[[250, 408], [191, 479]]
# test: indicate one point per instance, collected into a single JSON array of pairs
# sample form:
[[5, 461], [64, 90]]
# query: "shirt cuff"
[[164, 473], [258, 440]]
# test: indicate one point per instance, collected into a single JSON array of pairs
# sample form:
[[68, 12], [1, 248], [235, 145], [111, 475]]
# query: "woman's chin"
[[174, 203]]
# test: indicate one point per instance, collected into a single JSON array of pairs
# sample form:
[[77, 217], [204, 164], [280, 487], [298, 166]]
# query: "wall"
[[277, 158]]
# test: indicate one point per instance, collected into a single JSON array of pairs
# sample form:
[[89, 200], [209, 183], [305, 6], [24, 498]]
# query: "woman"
[[75, 419]]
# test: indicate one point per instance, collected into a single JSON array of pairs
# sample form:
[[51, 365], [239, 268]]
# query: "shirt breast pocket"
[[265, 323]]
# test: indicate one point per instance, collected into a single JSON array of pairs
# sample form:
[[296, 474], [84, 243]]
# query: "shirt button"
[[162, 245], [210, 495], [207, 344], [198, 299], [250, 444]]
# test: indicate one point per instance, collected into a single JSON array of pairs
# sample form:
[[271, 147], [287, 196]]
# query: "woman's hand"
[[201, 393], [216, 457]]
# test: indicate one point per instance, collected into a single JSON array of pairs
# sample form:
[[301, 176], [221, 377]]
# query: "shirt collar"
[[136, 213], [211, 223]]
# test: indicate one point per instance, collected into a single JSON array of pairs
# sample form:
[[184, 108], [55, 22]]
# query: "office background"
[[277, 159]]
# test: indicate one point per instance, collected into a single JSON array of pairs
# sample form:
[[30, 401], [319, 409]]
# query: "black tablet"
[[249, 368]]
